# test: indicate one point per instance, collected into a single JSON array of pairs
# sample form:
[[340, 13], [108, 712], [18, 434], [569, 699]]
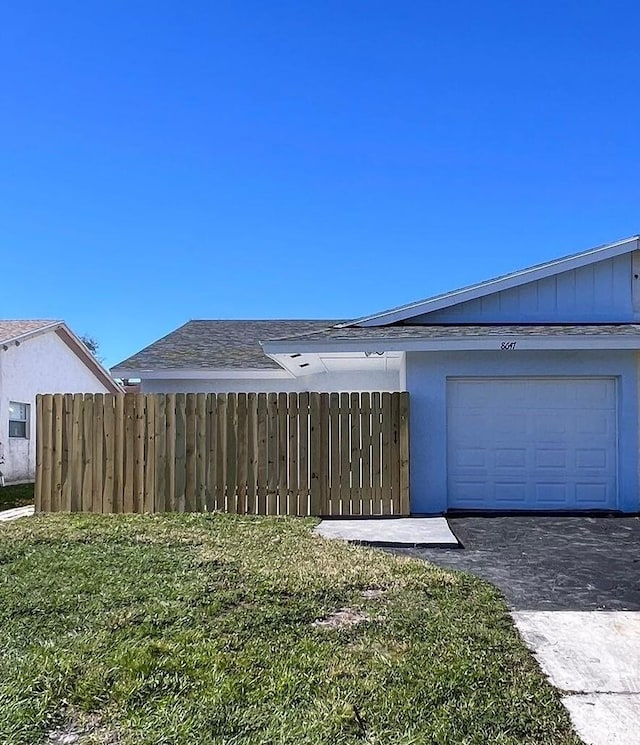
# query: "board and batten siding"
[[600, 292]]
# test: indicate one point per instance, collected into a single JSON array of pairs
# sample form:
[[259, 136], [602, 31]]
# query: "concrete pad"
[[393, 531], [590, 652], [14, 514], [606, 718]]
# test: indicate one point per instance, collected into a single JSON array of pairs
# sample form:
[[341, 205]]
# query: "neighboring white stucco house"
[[38, 357], [523, 389]]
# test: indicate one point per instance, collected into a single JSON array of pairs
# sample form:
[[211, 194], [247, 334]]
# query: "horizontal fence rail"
[[247, 453]]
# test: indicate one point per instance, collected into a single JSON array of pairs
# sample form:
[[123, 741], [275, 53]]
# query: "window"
[[18, 419]]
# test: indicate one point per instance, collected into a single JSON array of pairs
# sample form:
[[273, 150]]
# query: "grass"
[[16, 495], [201, 629]]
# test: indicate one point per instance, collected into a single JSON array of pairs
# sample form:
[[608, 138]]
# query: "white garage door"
[[532, 443]]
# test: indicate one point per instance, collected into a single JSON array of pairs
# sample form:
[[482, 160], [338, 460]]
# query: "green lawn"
[[194, 629], [16, 495]]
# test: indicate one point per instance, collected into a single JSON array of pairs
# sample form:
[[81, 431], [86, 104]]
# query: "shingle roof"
[[10, 330], [443, 331], [230, 345]]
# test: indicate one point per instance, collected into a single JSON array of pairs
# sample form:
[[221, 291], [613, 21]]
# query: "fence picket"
[[212, 445], [169, 501], [150, 455], [376, 443], [138, 455], [201, 452], [37, 492], [190, 453], [283, 401], [293, 484], [56, 496], [303, 427], [242, 444], [129, 433], [109, 461], [345, 456], [395, 455], [272, 454], [47, 453], [160, 475], [118, 454], [262, 455], [221, 455], [385, 502], [67, 437], [87, 454], [179, 499], [252, 452]]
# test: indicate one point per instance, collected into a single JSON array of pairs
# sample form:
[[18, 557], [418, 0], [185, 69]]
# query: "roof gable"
[[15, 332], [418, 311]]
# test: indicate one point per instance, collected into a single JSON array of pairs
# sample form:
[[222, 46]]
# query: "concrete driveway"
[[573, 585]]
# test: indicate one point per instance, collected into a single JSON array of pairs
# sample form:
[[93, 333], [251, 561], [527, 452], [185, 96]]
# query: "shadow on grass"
[[17, 495]]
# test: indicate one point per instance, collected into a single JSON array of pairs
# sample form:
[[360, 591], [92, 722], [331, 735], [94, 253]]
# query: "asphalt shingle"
[[230, 345], [15, 329]]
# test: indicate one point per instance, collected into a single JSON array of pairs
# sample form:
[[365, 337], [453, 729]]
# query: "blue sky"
[[167, 161]]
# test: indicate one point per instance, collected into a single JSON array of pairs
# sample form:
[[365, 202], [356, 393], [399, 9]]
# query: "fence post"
[[39, 438], [405, 504]]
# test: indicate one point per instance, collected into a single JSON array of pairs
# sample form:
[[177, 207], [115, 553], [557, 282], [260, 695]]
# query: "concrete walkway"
[[411, 532], [594, 658], [573, 585], [14, 514]]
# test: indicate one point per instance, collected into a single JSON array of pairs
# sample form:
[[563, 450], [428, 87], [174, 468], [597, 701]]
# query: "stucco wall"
[[326, 382], [427, 375], [43, 364]]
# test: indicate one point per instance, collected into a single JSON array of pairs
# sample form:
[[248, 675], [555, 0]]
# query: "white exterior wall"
[[323, 382], [42, 364]]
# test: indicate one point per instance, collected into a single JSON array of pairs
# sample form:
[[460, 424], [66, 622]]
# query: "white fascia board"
[[498, 285], [492, 342], [200, 374]]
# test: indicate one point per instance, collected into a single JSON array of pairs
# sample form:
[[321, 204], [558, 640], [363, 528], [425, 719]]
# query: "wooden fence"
[[248, 453]]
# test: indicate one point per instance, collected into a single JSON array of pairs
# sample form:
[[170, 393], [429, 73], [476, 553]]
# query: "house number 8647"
[[508, 345]]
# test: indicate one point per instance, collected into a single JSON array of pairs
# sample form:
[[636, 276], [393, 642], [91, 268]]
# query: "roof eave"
[[509, 343], [200, 373]]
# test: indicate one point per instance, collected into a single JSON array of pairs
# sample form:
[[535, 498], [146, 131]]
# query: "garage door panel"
[[510, 493], [592, 458], [551, 494], [595, 423], [532, 443], [471, 458], [550, 458], [547, 422], [594, 494], [510, 457]]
